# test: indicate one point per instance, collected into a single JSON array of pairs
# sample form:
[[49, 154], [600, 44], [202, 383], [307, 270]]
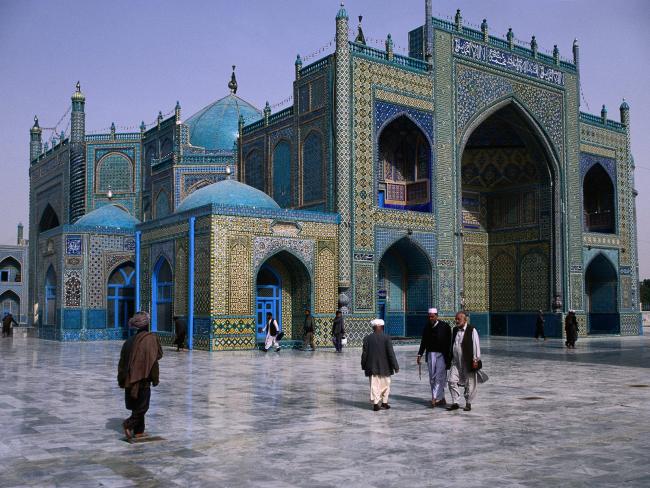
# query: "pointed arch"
[[313, 168], [10, 303], [49, 219], [162, 295], [404, 169], [281, 164], [51, 297], [405, 276], [598, 201], [254, 169], [162, 204], [120, 295], [10, 270]]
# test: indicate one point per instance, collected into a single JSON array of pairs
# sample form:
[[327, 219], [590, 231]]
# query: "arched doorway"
[[507, 223], [120, 296], [598, 201], [404, 171], [49, 317], [404, 288], [162, 291], [10, 271], [601, 285], [282, 287], [10, 303]]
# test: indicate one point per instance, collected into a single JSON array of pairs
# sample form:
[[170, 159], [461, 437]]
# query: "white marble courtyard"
[[547, 417]]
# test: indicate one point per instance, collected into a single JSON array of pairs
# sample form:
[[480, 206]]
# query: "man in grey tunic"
[[466, 353]]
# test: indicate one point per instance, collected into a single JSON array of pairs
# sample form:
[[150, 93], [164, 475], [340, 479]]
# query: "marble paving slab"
[[231, 419]]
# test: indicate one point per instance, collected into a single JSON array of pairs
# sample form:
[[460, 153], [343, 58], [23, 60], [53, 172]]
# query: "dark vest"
[[467, 345]]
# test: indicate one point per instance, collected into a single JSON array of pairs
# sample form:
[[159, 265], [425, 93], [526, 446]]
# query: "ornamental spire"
[[233, 81]]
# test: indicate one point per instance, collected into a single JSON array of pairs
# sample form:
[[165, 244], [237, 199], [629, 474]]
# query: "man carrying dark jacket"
[[137, 371], [379, 363], [436, 342], [466, 354]]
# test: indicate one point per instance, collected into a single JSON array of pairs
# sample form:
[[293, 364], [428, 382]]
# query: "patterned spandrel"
[[282, 174], [312, 164], [115, 171]]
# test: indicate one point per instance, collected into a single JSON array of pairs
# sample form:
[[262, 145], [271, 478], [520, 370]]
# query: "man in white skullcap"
[[379, 363], [436, 343]]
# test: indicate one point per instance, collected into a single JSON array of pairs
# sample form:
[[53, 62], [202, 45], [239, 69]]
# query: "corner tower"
[[35, 140]]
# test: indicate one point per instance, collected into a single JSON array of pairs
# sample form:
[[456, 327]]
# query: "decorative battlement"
[[315, 66], [48, 152], [598, 121], [482, 37], [126, 136], [377, 54]]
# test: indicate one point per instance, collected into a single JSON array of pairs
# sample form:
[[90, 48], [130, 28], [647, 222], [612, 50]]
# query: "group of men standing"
[[453, 357]]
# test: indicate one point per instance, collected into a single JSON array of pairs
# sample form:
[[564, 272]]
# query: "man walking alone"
[[436, 343], [137, 371], [379, 363], [308, 330]]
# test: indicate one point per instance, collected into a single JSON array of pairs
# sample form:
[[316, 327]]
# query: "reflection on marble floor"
[[303, 419]]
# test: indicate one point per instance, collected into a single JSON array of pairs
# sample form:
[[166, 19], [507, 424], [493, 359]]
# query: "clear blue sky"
[[137, 57]]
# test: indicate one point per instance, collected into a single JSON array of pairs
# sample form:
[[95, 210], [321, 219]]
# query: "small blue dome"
[[229, 193], [109, 216], [216, 126]]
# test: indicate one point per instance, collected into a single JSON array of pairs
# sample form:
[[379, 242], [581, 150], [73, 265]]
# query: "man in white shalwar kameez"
[[466, 352]]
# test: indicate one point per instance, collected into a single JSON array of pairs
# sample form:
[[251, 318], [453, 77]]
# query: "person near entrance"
[[338, 331], [465, 357], [181, 333], [272, 330], [308, 331], [379, 363], [571, 329], [436, 344], [6, 325], [137, 371], [539, 326]]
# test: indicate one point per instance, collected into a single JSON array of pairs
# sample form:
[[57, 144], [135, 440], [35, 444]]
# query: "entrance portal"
[[507, 224], [283, 287], [404, 288]]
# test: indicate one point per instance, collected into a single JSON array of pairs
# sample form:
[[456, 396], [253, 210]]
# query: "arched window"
[[254, 169], [282, 174], [405, 167], [163, 296], [114, 170], [598, 201], [166, 148], [50, 297], [162, 204], [49, 219], [10, 271], [120, 296], [312, 168]]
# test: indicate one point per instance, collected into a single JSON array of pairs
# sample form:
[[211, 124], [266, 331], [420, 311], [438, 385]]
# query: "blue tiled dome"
[[109, 216], [229, 193], [217, 125]]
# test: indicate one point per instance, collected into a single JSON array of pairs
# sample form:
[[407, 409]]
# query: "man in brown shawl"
[[137, 371]]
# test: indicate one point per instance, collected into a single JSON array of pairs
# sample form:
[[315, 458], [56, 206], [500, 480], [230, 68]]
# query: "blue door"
[[268, 299], [120, 296]]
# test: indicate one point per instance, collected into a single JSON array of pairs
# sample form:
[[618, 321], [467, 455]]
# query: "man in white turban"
[[378, 362]]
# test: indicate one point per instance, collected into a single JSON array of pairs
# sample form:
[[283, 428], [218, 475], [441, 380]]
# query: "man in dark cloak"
[[181, 333], [6, 325], [137, 371], [571, 329], [338, 331]]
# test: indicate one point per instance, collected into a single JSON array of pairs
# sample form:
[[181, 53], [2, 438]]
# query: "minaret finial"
[[233, 81], [361, 39], [78, 86]]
